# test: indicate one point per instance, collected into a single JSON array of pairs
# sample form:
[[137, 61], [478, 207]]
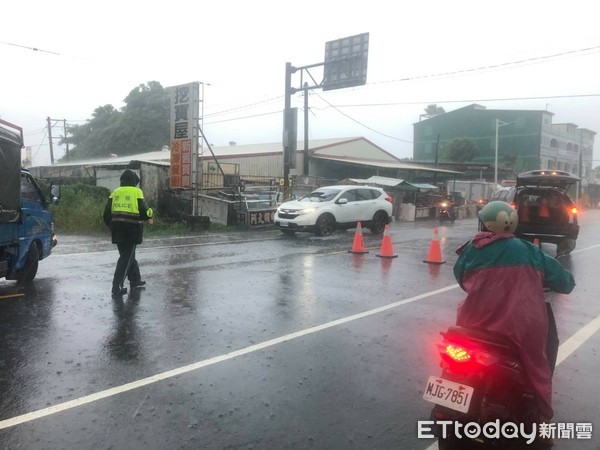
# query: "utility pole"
[[437, 151], [305, 168], [66, 141], [50, 140], [578, 192], [499, 124], [347, 70], [288, 129]]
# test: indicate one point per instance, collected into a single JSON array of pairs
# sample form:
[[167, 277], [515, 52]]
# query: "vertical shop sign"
[[184, 134]]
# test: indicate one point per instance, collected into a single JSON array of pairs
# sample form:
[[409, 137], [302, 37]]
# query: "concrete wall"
[[110, 178], [154, 177], [153, 181], [215, 208]]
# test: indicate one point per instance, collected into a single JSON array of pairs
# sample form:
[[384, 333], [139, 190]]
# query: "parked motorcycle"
[[482, 382], [446, 212]]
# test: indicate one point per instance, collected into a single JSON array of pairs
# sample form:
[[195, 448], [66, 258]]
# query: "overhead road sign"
[[346, 62]]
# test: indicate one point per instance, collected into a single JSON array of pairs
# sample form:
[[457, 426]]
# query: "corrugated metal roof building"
[[327, 158], [328, 161]]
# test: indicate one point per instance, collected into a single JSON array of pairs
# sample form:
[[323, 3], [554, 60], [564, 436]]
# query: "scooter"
[[446, 212], [482, 382], [481, 202]]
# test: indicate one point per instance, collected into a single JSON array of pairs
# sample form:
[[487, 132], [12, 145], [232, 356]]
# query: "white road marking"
[[7, 423], [572, 344], [581, 250], [576, 340]]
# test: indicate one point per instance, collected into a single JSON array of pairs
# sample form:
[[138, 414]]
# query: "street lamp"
[[499, 124]]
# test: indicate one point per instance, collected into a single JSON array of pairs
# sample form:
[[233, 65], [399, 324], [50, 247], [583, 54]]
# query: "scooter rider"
[[123, 214], [504, 278], [446, 206]]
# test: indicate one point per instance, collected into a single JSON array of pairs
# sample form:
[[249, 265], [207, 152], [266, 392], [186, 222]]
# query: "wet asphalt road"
[[254, 341]]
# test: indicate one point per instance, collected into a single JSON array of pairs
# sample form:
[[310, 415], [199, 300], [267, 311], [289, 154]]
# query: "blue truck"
[[26, 229]]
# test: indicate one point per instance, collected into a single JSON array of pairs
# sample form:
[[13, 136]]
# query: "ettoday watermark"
[[506, 430]]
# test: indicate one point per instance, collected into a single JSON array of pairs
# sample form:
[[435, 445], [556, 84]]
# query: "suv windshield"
[[321, 195]]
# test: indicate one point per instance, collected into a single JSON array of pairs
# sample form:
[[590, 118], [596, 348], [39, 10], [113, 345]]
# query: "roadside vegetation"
[[146, 111], [80, 209], [141, 125]]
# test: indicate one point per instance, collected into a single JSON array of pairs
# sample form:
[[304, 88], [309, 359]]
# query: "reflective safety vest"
[[125, 204]]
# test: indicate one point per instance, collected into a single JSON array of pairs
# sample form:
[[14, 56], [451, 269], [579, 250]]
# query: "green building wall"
[[522, 137]]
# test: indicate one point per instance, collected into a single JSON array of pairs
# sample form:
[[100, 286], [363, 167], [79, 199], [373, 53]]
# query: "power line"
[[30, 48], [244, 107], [336, 107], [497, 66], [457, 72], [362, 124], [244, 117], [543, 58], [468, 100], [40, 145], [38, 131]]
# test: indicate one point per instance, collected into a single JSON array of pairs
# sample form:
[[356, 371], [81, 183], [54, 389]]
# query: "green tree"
[[142, 125], [462, 150]]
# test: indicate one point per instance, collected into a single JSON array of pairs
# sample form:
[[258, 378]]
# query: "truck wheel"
[[28, 272]]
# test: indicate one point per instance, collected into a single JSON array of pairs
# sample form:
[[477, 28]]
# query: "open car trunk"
[[555, 178], [542, 206]]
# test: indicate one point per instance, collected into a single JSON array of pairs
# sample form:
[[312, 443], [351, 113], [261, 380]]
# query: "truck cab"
[[26, 228]]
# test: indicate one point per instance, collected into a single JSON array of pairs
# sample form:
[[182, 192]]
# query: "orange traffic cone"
[[359, 244], [544, 209], [435, 251], [386, 245]]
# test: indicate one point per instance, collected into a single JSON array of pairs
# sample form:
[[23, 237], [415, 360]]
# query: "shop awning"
[[396, 183]]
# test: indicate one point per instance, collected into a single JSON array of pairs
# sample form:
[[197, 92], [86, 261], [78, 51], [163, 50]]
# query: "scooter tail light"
[[513, 205], [457, 353], [573, 210]]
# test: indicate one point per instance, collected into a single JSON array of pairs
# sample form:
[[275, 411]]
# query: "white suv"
[[336, 207]]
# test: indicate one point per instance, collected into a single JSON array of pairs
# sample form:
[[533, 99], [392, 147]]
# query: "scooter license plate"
[[447, 393]]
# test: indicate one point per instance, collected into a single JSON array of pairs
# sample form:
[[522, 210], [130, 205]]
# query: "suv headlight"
[[306, 211]]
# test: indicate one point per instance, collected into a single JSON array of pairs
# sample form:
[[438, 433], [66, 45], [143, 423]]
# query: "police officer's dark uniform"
[[124, 212]]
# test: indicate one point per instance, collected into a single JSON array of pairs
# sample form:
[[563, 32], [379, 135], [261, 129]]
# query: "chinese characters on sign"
[[262, 217], [181, 163], [184, 141]]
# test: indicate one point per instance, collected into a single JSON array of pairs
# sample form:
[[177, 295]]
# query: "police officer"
[[124, 212]]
